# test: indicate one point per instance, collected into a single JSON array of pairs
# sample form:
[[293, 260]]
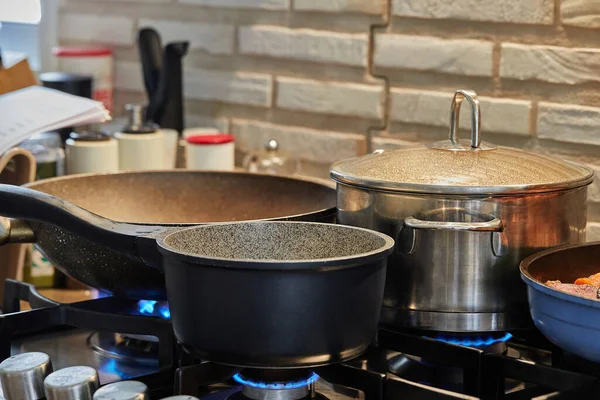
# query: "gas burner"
[[139, 349], [154, 308], [490, 343], [260, 384]]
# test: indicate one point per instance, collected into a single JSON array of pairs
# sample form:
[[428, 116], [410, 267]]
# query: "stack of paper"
[[37, 109]]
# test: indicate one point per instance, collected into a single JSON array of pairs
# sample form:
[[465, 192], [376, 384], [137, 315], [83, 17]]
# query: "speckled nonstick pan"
[[254, 294], [152, 200]]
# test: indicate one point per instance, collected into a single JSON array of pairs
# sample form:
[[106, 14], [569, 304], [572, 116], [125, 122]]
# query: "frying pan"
[[151, 200], [252, 294], [569, 321]]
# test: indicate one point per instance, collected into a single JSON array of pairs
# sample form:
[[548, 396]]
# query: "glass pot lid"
[[460, 166]]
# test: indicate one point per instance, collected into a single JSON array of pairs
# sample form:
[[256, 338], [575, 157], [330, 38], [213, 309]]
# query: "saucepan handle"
[[435, 221], [21, 203]]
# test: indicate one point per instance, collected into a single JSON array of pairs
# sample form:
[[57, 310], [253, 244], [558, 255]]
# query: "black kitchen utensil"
[[150, 49], [153, 200], [251, 294], [162, 71]]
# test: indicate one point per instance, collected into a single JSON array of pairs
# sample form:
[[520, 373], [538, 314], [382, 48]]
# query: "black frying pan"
[[252, 294], [152, 200]]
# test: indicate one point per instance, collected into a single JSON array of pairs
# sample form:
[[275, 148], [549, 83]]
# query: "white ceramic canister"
[[91, 152], [187, 132], [171, 140], [210, 152], [94, 61], [141, 145]]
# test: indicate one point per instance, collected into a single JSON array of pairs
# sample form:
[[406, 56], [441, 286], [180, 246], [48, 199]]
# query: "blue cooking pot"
[[569, 321]]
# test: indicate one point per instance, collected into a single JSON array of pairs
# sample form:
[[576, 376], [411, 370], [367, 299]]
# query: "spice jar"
[[210, 152], [91, 152], [141, 144], [96, 62]]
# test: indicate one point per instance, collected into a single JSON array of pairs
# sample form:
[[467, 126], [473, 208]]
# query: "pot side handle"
[[407, 236], [137, 241]]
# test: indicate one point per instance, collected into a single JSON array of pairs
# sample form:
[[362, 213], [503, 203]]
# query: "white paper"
[[37, 109]]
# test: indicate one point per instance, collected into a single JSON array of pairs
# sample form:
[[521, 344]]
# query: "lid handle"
[[471, 98]]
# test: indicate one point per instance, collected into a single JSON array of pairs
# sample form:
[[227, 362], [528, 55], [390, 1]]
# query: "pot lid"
[[460, 166]]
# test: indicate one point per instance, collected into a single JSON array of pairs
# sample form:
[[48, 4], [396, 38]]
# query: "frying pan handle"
[[32, 205], [15, 231]]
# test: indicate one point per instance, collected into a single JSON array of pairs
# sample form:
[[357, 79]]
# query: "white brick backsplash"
[[330, 97], [304, 44], [261, 4], [213, 38], [425, 53], [201, 121], [592, 232], [427, 107], [512, 11], [363, 6], [550, 63], [201, 84], [569, 123], [229, 87], [109, 29], [303, 143], [583, 13], [128, 76]]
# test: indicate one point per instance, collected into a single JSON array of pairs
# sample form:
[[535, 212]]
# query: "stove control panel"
[[124, 390], [29, 376], [22, 376], [72, 383]]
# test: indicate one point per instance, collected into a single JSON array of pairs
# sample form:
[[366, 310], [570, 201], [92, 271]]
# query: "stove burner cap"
[[472, 341]]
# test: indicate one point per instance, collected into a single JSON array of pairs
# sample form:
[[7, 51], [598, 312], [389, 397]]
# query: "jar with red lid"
[[94, 61], [210, 152]]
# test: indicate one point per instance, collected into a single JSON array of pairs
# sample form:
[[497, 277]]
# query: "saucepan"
[[268, 294], [569, 321], [154, 199]]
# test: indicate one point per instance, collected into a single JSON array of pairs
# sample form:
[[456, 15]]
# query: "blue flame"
[[149, 307], [164, 311], [475, 342], [276, 385]]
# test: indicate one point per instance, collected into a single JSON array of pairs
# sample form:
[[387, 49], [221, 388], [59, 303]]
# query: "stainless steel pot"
[[464, 214]]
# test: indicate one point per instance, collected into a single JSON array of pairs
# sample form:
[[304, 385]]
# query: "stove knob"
[[22, 376], [73, 383], [124, 390]]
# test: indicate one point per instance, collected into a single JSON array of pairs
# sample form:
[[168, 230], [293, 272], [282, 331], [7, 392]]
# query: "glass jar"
[[270, 161], [50, 161]]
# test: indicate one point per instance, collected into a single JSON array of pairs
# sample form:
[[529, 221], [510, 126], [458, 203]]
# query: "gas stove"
[[126, 346]]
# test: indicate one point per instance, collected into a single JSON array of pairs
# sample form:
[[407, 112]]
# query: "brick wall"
[[318, 75]]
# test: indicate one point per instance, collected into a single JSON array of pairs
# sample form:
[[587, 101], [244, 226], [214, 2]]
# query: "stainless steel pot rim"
[[413, 188], [539, 286], [331, 263]]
